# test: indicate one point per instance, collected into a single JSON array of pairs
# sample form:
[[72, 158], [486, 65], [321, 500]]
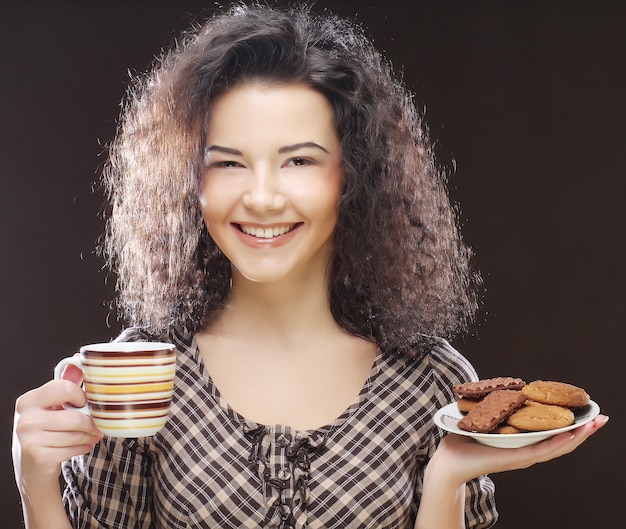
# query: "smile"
[[268, 232]]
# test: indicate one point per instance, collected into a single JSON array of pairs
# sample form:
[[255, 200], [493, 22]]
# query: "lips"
[[266, 232]]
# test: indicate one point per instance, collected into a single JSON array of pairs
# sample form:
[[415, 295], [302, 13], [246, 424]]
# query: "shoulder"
[[449, 364], [436, 369], [176, 335], [438, 357]]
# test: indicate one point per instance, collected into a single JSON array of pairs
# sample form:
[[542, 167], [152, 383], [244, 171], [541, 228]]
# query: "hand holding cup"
[[129, 385]]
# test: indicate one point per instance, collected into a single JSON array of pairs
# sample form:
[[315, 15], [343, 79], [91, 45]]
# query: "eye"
[[225, 164], [299, 161]]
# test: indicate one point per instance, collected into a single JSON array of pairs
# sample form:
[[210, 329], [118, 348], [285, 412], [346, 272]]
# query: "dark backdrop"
[[525, 99]]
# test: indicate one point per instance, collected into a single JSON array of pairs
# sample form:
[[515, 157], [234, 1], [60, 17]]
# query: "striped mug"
[[129, 385]]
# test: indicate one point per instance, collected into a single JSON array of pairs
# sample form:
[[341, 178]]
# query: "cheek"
[[329, 197], [317, 194]]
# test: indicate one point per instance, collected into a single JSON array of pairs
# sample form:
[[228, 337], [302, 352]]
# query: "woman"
[[277, 213]]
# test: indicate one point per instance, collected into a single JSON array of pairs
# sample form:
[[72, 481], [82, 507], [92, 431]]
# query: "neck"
[[285, 311]]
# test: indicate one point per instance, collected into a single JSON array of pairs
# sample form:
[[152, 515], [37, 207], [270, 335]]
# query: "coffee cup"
[[129, 385]]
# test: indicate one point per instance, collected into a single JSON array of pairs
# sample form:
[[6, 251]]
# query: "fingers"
[[38, 453], [573, 439], [557, 446], [54, 436], [43, 436], [37, 409], [52, 395], [599, 422], [38, 424]]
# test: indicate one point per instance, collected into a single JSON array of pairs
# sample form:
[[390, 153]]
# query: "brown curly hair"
[[400, 271]]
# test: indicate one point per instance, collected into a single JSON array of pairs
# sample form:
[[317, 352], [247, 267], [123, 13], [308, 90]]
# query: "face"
[[271, 182]]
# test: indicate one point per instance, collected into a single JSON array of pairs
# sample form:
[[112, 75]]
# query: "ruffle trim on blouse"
[[281, 459]]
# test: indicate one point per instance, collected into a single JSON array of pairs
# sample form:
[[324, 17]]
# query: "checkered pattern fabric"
[[209, 467]]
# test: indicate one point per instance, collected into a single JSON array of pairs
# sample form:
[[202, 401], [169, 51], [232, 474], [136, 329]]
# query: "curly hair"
[[400, 272]]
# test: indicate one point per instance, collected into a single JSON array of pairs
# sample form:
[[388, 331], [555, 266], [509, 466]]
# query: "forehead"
[[258, 111]]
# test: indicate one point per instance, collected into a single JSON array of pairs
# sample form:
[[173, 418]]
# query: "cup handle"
[[58, 371]]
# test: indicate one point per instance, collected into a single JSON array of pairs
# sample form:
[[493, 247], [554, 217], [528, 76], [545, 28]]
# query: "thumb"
[[73, 374]]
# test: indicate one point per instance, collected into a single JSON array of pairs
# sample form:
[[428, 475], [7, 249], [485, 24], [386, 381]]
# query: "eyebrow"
[[286, 148], [296, 146], [226, 150]]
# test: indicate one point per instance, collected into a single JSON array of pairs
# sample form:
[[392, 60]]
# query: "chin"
[[261, 276]]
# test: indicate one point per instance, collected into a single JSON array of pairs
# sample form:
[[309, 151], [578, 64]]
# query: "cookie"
[[506, 429], [465, 404], [556, 393], [492, 410], [487, 385], [535, 417]]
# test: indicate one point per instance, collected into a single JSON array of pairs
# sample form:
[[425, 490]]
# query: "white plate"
[[447, 417]]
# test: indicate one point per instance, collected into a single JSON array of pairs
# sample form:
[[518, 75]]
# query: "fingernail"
[[601, 420]]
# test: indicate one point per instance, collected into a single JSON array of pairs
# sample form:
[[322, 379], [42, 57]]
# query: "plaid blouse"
[[209, 467]]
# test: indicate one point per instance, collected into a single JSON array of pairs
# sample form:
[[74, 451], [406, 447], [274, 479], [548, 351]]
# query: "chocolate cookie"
[[486, 386], [492, 410], [557, 393], [535, 417]]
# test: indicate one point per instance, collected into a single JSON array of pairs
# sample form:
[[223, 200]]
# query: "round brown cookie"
[[536, 417], [487, 385], [557, 393], [507, 429], [465, 404]]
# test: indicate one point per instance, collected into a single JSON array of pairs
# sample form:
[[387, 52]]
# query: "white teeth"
[[266, 233]]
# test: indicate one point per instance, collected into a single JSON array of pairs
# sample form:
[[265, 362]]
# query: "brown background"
[[527, 99]]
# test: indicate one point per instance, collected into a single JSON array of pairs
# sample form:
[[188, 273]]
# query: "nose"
[[263, 192]]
